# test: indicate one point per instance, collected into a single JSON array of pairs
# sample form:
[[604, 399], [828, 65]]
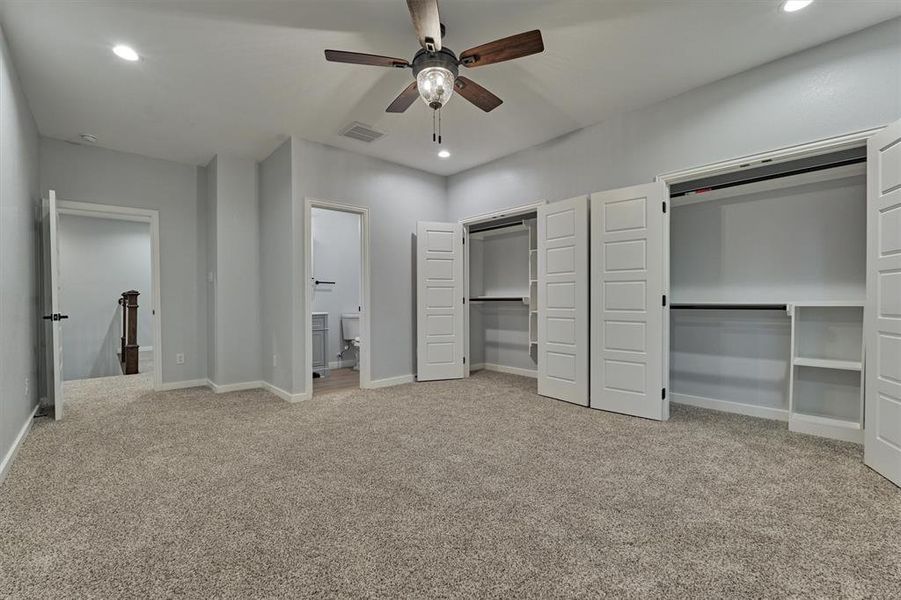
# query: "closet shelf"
[[729, 306], [523, 299], [827, 363]]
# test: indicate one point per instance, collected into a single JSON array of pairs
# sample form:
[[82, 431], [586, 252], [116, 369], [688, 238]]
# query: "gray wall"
[[846, 85], [277, 267], [100, 259], [19, 256], [397, 197], [336, 257], [96, 175], [235, 215]]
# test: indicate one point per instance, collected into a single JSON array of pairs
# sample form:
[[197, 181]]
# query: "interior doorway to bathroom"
[[337, 243]]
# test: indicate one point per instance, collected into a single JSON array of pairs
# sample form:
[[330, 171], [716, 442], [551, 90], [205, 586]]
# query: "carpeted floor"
[[469, 489]]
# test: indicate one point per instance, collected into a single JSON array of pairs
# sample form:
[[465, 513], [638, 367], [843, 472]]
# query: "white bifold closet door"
[[882, 329], [629, 250], [52, 317], [439, 301], [563, 300]]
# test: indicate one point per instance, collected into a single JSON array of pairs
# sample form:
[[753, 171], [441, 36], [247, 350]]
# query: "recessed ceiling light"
[[126, 53], [795, 5], [444, 154]]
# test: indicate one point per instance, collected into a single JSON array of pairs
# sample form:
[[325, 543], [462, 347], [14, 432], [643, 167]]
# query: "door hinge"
[[664, 207], [464, 300], [664, 299], [663, 395], [464, 360]]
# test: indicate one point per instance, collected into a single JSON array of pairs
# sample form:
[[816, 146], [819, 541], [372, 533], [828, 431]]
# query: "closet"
[[501, 271], [767, 286], [768, 283]]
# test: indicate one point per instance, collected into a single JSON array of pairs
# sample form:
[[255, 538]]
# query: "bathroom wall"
[[336, 257]]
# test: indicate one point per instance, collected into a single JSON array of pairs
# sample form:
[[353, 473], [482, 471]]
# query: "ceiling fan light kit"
[[436, 69]]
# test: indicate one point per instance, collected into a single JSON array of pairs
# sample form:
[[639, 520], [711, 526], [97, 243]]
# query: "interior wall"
[[236, 276], [277, 267], [397, 197], [97, 175], [100, 259], [798, 243], [846, 85], [19, 256], [336, 257]]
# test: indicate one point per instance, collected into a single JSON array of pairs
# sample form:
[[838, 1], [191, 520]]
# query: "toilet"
[[350, 331]]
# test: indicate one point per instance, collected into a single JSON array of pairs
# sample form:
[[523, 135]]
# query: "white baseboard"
[[750, 410], [284, 395], [342, 364], [389, 382], [181, 385], [10, 455], [234, 387], [533, 373]]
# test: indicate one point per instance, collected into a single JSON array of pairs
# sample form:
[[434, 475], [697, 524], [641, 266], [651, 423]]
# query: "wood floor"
[[337, 380]]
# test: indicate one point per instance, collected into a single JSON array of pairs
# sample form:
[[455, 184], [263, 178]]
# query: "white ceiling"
[[237, 76]]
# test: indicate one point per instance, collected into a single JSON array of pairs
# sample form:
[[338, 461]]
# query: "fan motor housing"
[[443, 58]]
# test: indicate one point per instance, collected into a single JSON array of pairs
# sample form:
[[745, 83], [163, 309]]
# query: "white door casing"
[[882, 314], [51, 303], [439, 301], [628, 316], [563, 300]]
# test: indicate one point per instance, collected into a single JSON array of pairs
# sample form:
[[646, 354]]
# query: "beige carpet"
[[469, 489]]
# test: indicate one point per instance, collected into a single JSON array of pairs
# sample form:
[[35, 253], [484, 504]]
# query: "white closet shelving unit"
[[826, 379], [532, 226]]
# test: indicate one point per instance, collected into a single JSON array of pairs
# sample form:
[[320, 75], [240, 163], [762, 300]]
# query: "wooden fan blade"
[[508, 48], [476, 94], [406, 98], [358, 58], [427, 23]]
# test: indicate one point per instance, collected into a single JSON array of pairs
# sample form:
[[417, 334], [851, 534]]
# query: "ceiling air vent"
[[359, 131]]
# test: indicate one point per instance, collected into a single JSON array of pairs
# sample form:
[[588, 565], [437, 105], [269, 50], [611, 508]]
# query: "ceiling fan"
[[436, 68]]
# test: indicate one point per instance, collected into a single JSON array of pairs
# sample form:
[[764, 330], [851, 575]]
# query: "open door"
[[439, 301], [563, 300], [882, 326], [52, 316], [629, 230]]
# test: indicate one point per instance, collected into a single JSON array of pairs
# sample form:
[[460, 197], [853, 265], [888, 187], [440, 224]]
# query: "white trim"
[[124, 213], [824, 146], [533, 373], [365, 312], [181, 385], [390, 382], [284, 395], [836, 429], [234, 387], [750, 410], [346, 363], [17, 443], [505, 212]]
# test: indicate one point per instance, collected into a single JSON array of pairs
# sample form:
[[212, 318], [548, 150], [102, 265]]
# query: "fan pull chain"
[[439, 126], [434, 128]]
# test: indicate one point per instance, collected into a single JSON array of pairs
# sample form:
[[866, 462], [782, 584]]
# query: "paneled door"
[[52, 317], [882, 327], [563, 300], [439, 301], [629, 230]]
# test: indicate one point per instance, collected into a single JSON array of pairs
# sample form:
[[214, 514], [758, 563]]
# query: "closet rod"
[[494, 227], [729, 306]]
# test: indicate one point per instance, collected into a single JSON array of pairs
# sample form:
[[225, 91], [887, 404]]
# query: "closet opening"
[[767, 287], [501, 291]]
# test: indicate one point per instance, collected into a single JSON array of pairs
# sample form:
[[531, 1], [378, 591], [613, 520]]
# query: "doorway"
[[106, 285], [337, 271]]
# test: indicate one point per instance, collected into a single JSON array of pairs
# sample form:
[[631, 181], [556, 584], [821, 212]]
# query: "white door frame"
[[366, 341], [466, 223], [140, 215]]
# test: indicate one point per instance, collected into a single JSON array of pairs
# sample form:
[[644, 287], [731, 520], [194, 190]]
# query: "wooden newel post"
[[130, 348]]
